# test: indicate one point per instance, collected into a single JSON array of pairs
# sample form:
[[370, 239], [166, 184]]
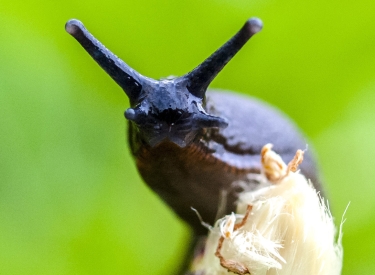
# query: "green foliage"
[[71, 201]]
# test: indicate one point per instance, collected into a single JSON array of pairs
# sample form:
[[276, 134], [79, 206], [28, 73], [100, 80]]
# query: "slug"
[[190, 144]]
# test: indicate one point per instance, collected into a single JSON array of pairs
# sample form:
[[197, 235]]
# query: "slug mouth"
[[180, 133], [181, 142], [174, 125]]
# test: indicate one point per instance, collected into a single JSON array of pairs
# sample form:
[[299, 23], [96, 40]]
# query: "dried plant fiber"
[[289, 230]]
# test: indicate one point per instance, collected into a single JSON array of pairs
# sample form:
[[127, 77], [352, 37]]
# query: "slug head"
[[166, 109]]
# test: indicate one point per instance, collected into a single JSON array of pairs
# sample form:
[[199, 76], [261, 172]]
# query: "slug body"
[[189, 145], [195, 175]]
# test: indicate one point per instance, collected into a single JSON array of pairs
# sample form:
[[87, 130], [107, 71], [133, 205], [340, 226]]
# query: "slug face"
[[169, 109]]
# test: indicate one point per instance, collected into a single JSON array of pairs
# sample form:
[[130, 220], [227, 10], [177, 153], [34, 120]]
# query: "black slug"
[[188, 144]]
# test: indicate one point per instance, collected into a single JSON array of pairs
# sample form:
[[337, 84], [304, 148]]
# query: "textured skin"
[[194, 176]]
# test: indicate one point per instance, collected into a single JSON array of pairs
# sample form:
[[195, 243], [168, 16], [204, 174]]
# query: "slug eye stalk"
[[202, 76], [127, 78]]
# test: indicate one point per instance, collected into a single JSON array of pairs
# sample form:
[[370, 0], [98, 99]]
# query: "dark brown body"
[[194, 176]]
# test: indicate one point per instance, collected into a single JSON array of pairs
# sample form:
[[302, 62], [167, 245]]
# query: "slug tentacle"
[[202, 76], [128, 79]]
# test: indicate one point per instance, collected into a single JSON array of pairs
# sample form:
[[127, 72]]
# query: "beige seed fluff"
[[288, 231]]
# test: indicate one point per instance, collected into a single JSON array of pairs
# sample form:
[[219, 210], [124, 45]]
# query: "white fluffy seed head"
[[289, 231]]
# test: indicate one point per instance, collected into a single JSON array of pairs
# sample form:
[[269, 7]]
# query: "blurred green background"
[[71, 201]]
